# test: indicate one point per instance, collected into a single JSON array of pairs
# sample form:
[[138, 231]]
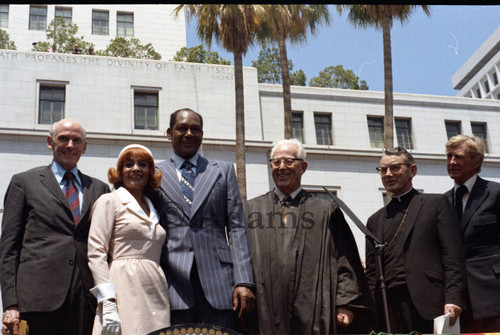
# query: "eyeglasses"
[[276, 162], [394, 168]]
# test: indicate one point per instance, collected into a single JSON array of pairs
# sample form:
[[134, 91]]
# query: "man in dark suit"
[[206, 256], [44, 271], [477, 202], [422, 260]]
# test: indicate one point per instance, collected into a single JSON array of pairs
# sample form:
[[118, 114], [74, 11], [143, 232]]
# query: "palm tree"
[[381, 16], [290, 22], [234, 27]]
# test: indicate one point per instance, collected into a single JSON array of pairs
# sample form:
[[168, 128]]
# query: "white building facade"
[[98, 24], [121, 101], [479, 77]]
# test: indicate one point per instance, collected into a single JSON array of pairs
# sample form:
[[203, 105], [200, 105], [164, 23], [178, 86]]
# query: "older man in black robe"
[[308, 274]]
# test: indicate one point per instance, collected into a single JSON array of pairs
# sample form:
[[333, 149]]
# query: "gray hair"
[[53, 126], [398, 151], [301, 151]]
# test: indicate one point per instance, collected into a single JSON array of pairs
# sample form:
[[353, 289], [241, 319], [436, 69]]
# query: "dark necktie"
[[187, 182], [71, 194], [459, 193], [287, 200]]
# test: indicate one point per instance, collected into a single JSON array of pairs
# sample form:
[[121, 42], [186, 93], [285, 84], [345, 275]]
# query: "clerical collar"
[[403, 196], [281, 195], [469, 184]]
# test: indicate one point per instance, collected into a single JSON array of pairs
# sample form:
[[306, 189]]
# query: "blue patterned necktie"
[[187, 182], [71, 194]]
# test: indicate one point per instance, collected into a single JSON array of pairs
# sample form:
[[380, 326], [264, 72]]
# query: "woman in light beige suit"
[[124, 249]]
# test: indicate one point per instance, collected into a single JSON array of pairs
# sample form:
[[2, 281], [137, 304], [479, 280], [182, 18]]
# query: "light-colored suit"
[[213, 233]]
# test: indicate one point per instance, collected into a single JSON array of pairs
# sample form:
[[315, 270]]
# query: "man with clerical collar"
[[206, 256], [308, 274], [477, 202], [423, 262]]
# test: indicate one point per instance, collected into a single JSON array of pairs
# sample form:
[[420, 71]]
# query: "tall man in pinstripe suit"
[[44, 269], [206, 255]]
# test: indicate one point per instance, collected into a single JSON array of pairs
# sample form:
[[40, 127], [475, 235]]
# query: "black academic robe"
[[298, 292]]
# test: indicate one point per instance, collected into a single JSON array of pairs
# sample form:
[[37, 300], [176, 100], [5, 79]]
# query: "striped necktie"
[[71, 194], [187, 182]]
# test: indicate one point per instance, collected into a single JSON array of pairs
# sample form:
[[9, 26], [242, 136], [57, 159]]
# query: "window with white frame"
[[376, 131], [51, 103], [403, 133], [65, 13], [4, 16], [145, 110], [125, 24], [453, 128], [100, 22], [323, 125], [479, 130], [38, 17], [298, 126]]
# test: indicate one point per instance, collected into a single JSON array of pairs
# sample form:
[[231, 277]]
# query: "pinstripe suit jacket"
[[40, 245], [213, 233]]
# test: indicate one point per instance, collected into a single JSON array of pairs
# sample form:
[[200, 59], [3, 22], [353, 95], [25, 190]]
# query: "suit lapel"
[[412, 215], [48, 180], [170, 184], [86, 194], [478, 194], [206, 175]]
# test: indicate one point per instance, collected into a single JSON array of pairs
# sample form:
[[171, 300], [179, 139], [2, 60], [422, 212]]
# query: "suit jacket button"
[[71, 262]]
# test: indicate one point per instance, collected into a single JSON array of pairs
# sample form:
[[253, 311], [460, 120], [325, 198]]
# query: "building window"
[[65, 13], [376, 131], [38, 17], [495, 79], [320, 191], [453, 128], [4, 16], [323, 124], [479, 130], [146, 110], [478, 93], [124, 24], [298, 126], [100, 22], [51, 107], [486, 87], [403, 132]]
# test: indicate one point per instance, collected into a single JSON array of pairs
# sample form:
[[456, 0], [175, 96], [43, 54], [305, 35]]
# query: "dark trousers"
[[403, 315], [202, 311], [485, 325], [75, 316]]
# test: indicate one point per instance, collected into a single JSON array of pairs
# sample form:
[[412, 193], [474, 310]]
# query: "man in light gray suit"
[[206, 256]]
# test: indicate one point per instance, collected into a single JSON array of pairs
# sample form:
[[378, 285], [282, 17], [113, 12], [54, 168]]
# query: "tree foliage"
[[63, 35], [198, 54], [338, 77], [5, 42], [129, 48], [268, 66], [290, 22]]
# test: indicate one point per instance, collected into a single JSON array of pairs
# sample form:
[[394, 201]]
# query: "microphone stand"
[[379, 248]]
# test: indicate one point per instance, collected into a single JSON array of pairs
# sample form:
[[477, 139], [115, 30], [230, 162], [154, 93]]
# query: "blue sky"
[[426, 50]]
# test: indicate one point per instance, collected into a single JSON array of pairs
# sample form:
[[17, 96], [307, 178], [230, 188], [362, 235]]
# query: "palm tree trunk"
[[285, 78], [389, 114], [240, 125]]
